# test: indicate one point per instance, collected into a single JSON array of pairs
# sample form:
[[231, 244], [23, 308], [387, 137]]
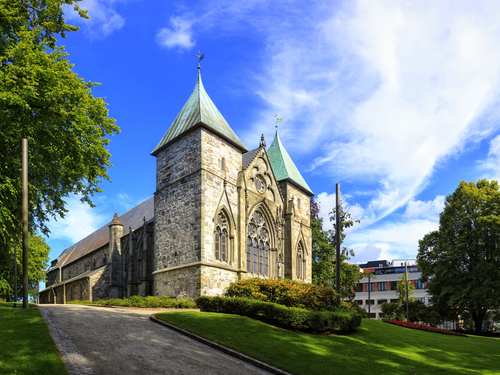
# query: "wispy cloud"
[[80, 221], [416, 209], [104, 18], [179, 34]]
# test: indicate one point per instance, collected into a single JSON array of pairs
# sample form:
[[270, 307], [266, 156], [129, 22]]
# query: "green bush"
[[138, 301], [286, 292], [283, 316]]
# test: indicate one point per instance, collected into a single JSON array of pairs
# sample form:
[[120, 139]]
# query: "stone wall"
[[100, 284], [179, 283], [214, 281], [78, 290]]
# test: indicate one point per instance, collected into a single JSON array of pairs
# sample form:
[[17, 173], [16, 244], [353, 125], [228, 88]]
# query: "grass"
[[375, 347], [26, 346]]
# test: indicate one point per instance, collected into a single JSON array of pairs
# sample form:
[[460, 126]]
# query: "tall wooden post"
[[337, 233], [25, 220], [15, 272]]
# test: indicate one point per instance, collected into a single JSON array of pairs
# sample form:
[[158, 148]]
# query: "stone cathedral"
[[220, 214]]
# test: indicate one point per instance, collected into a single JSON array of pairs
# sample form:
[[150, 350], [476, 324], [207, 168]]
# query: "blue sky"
[[396, 101]]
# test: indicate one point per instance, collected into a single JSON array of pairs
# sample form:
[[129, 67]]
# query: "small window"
[[372, 315], [419, 284], [104, 259], [93, 264], [370, 302], [298, 203], [359, 302], [381, 301], [380, 265], [69, 274], [380, 315], [382, 287], [223, 164], [394, 300], [394, 285], [359, 287], [429, 299], [80, 292], [370, 287]]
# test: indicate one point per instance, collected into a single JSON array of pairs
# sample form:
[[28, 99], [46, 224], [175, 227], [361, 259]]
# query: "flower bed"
[[423, 327]]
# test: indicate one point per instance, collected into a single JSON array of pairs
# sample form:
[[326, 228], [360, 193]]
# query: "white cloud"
[[180, 34], [420, 209], [80, 221], [104, 19], [491, 165]]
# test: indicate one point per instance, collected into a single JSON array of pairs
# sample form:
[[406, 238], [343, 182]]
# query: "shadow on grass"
[[375, 347], [26, 346]]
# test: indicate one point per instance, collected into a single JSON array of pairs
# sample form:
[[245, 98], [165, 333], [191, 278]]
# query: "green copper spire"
[[199, 110], [283, 166]]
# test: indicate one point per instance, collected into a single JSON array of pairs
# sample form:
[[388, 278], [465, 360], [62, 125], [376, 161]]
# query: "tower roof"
[[283, 166], [116, 220], [199, 110]]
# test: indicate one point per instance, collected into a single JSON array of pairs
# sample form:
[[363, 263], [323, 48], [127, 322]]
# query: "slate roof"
[[132, 218], [199, 110], [247, 157], [78, 277], [283, 166]]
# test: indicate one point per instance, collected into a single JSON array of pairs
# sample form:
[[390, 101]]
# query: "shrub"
[[283, 316], [286, 292], [138, 301]]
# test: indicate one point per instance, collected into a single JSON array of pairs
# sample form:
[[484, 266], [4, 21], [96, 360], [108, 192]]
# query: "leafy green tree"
[[38, 252], [462, 258], [401, 289], [43, 100], [324, 254]]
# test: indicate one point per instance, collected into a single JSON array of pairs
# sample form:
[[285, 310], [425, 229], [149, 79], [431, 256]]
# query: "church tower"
[[296, 194], [196, 202]]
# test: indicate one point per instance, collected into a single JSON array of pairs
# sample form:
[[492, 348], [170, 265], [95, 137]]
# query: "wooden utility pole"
[[25, 220], [15, 272]]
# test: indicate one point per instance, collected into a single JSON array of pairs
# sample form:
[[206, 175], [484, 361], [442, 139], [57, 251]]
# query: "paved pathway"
[[108, 341]]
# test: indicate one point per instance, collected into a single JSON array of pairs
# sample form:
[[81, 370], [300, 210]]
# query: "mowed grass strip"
[[26, 346], [375, 347]]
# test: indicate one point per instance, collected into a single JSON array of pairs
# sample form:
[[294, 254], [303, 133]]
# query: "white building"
[[372, 293]]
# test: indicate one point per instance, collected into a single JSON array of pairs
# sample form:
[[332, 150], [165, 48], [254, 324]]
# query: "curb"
[[222, 348]]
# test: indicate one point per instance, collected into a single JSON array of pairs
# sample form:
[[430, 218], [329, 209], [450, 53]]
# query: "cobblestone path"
[[108, 341]]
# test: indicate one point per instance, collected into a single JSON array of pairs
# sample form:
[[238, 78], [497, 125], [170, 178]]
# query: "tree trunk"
[[478, 322]]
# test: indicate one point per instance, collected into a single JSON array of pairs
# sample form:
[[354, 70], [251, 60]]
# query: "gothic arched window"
[[300, 262], [258, 245], [221, 238]]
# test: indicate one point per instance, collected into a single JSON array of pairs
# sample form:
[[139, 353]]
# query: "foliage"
[[138, 301], [38, 258], [43, 100], [286, 292], [26, 346], [418, 312], [324, 261], [375, 347], [423, 327], [462, 257], [404, 280], [283, 316]]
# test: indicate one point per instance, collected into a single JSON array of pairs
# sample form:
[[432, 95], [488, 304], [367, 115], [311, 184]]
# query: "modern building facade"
[[220, 214], [371, 293]]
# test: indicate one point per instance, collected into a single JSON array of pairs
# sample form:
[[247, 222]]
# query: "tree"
[[324, 254], [39, 258], [462, 258], [43, 100], [401, 289]]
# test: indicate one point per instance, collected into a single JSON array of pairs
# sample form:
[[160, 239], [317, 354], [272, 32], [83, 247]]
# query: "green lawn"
[[26, 346], [375, 348]]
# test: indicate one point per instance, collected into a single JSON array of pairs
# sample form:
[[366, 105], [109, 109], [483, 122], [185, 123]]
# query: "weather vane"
[[278, 119], [200, 57]]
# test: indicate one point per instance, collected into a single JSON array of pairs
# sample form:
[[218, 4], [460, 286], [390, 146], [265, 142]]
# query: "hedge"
[[138, 301], [287, 317], [286, 292]]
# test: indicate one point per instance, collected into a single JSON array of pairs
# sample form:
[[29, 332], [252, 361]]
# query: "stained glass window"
[[259, 241]]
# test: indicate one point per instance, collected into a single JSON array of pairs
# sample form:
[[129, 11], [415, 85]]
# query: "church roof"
[[283, 166], [199, 110], [247, 157], [132, 218]]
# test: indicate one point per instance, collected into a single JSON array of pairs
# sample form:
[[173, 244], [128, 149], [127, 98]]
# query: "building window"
[[359, 302], [420, 299], [372, 315], [382, 287], [69, 274], [380, 315], [221, 238], [70, 297], [381, 301], [394, 300], [370, 287], [370, 302], [429, 299], [393, 285], [259, 238], [80, 292], [419, 284], [298, 204], [93, 264], [104, 259], [223, 164], [359, 287]]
